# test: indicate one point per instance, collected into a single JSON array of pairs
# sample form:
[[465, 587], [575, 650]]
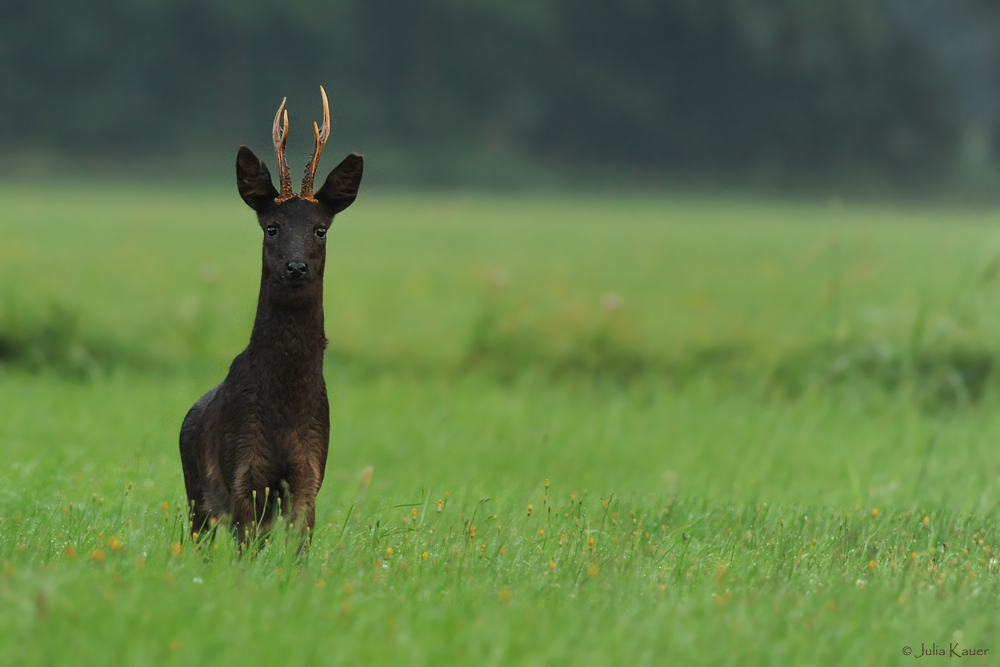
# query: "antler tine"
[[280, 136], [321, 136]]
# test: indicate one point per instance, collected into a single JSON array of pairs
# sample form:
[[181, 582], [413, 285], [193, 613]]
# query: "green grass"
[[731, 492]]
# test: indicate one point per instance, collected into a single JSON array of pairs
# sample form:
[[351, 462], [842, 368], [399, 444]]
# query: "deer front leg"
[[199, 516], [244, 523], [250, 506], [303, 483]]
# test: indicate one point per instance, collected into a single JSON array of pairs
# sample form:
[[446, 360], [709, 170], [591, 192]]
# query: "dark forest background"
[[769, 92]]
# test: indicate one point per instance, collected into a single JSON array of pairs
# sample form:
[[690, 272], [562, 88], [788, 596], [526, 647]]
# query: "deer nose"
[[296, 269]]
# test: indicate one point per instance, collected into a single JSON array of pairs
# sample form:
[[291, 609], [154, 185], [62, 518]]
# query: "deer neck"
[[288, 332]]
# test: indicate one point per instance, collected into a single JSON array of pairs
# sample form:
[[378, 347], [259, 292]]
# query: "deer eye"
[[321, 232], [272, 231]]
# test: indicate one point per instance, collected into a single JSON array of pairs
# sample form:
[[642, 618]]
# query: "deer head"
[[295, 226]]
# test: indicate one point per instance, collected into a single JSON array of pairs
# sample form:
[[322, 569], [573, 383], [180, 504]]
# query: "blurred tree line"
[[718, 87]]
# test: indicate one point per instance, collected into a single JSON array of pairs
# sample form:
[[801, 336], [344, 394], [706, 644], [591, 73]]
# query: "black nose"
[[296, 269]]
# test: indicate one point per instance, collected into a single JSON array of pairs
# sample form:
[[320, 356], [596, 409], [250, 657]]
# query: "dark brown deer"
[[263, 434]]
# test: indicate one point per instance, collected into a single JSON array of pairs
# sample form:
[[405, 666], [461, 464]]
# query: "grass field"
[[604, 430]]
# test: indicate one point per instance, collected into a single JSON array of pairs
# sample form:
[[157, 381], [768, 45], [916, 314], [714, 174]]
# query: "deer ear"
[[254, 180], [341, 186]]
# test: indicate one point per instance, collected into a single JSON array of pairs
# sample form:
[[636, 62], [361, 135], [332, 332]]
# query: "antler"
[[280, 136], [321, 137]]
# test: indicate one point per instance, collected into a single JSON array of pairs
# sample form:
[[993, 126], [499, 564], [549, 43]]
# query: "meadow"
[[598, 429]]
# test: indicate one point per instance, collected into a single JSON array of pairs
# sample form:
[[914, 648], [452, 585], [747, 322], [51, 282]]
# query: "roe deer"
[[263, 434]]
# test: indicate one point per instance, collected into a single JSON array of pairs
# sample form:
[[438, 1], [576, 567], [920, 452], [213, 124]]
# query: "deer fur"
[[261, 437]]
